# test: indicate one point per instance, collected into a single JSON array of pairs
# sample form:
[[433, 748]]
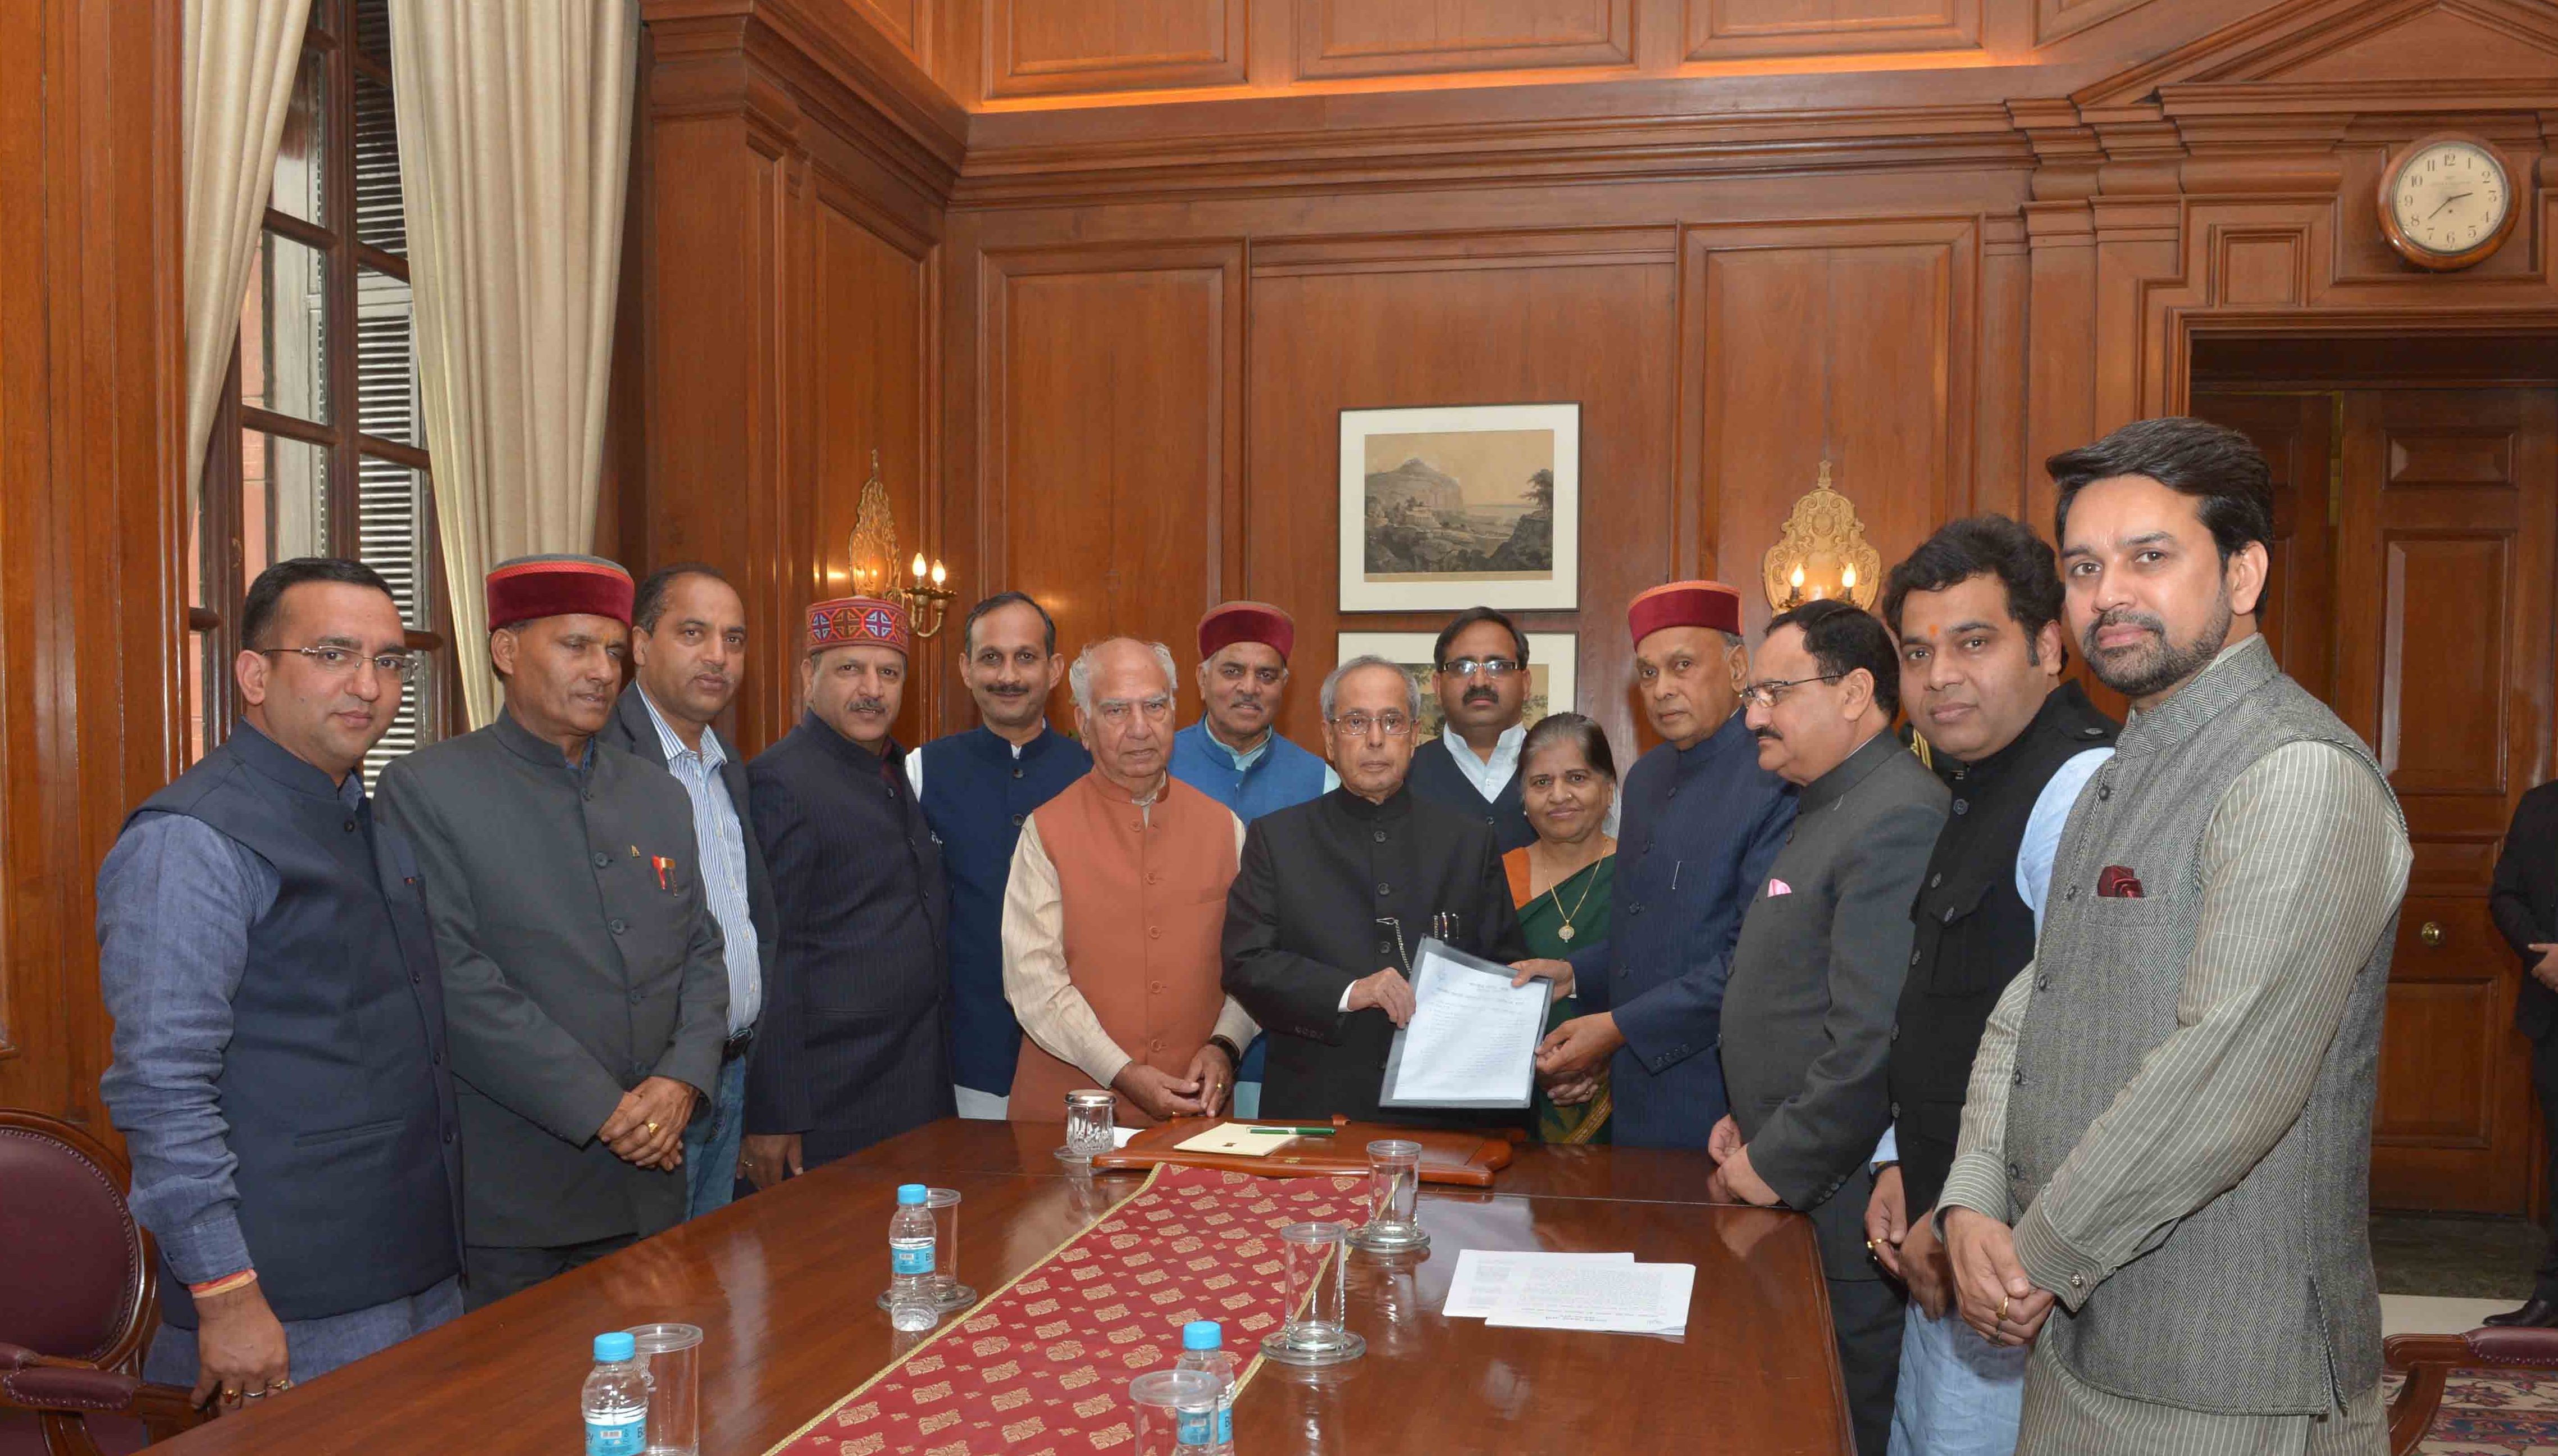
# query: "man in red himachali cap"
[[585, 978], [1701, 823], [853, 1048], [1235, 755]]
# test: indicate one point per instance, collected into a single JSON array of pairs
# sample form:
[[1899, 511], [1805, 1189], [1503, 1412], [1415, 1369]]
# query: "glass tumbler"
[[1090, 1119], [1173, 1403], [1317, 1300], [673, 1356], [1393, 1196]]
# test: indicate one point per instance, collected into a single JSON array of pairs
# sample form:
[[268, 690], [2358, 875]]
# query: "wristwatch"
[[1234, 1053]]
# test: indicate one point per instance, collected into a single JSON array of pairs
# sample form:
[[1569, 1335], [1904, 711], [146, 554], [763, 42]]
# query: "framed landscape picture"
[[1460, 506], [1551, 656]]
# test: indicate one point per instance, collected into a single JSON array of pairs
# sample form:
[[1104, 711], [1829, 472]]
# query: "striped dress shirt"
[[721, 842]]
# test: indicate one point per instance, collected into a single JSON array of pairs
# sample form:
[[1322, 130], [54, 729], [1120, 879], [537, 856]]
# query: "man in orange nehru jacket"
[[1114, 910], [853, 1048]]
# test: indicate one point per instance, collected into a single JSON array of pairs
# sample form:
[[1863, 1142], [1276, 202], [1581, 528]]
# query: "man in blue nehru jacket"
[[977, 788], [1235, 756], [280, 1068]]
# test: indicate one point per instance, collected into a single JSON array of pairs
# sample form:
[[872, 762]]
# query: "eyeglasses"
[[339, 662], [1118, 710], [1392, 725], [1489, 667], [1769, 694]]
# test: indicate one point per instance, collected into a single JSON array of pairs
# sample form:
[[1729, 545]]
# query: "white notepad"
[[1238, 1138]]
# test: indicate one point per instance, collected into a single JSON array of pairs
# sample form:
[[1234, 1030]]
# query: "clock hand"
[[2445, 203]]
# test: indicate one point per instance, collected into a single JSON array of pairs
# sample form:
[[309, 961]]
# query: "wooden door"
[[2412, 590], [2443, 596], [2295, 432]]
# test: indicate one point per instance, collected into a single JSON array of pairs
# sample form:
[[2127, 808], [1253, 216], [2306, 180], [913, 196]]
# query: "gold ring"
[[230, 1393], [1869, 1245], [2002, 1308], [653, 1127]]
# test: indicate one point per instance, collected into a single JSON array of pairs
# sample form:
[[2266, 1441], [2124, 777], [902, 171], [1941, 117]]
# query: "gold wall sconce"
[[1821, 553], [928, 595]]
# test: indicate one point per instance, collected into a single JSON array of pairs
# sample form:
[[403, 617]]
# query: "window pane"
[[301, 158], [284, 504], [284, 331], [386, 360], [378, 220], [391, 537]]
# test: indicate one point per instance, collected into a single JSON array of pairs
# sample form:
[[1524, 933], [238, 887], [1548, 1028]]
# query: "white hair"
[[1079, 678], [1333, 680]]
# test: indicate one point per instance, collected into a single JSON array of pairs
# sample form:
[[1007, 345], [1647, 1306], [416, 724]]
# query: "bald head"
[[1123, 708]]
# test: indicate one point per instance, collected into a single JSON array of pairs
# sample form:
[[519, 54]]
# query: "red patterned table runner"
[[1040, 1366]]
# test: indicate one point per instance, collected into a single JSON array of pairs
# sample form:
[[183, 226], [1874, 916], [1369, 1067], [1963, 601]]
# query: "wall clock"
[[2447, 202]]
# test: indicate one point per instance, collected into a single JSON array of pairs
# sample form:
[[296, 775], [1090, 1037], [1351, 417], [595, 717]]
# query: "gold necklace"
[[1565, 933]]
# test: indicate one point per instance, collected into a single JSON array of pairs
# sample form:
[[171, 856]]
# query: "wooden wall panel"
[[91, 516], [1045, 46], [1850, 342], [1336, 38], [1114, 419], [1384, 323], [1719, 30]]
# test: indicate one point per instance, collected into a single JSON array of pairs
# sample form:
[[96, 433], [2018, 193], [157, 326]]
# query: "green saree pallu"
[[1571, 916]]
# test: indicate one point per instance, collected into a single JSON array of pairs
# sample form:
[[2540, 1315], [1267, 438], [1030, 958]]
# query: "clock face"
[[2450, 197]]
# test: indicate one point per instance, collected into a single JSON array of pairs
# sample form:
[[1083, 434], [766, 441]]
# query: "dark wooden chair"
[[2427, 1360], [79, 1295]]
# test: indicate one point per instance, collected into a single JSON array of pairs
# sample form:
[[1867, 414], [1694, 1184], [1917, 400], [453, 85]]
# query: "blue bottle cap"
[[615, 1345], [1202, 1335], [912, 1193]]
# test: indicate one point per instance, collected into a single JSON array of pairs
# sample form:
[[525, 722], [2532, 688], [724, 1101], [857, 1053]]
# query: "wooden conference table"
[[782, 1285]]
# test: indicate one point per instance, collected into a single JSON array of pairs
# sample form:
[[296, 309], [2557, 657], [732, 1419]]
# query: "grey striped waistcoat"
[[2261, 1301]]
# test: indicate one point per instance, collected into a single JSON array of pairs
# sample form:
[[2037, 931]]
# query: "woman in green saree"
[[1562, 883]]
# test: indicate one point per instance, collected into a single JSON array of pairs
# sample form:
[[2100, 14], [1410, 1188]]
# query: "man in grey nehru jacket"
[[2162, 1179]]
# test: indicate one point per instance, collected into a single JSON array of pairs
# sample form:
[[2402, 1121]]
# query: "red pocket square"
[[2118, 883]]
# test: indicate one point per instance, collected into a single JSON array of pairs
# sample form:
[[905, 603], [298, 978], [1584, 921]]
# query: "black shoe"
[[2539, 1314]]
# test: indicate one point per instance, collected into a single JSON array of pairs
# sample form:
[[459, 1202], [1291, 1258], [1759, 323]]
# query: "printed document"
[[1626, 1298], [1473, 1038], [1474, 1291]]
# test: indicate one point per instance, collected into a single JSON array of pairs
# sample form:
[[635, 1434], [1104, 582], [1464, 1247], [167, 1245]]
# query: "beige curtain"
[[240, 57], [514, 128]]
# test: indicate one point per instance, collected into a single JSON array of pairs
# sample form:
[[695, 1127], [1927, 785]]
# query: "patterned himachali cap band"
[[562, 585], [1685, 604], [1236, 622], [849, 620]]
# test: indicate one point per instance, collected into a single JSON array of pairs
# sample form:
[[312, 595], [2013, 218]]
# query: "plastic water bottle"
[[911, 1241], [617, 1398], [1203, 1342]]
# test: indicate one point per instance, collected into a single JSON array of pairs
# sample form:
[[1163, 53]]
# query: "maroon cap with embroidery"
[[529, 587], [848, 620], [1685, 604], [1236, 622]]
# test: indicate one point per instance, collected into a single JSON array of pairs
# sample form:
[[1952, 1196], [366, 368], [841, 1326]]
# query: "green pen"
[[1293, 1131]]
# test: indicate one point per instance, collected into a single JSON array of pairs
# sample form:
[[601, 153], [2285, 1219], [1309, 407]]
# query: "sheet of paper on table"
[[1626, 1298], [1472, 1041], [1119, 1135], [1238, 1138], [1475, 1290]]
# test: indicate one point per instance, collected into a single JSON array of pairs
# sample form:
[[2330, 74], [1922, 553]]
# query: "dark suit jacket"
[[1816, 982], [572, 972], [1301, 924], [2524, 901], [630, 730], [853, 1047]]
